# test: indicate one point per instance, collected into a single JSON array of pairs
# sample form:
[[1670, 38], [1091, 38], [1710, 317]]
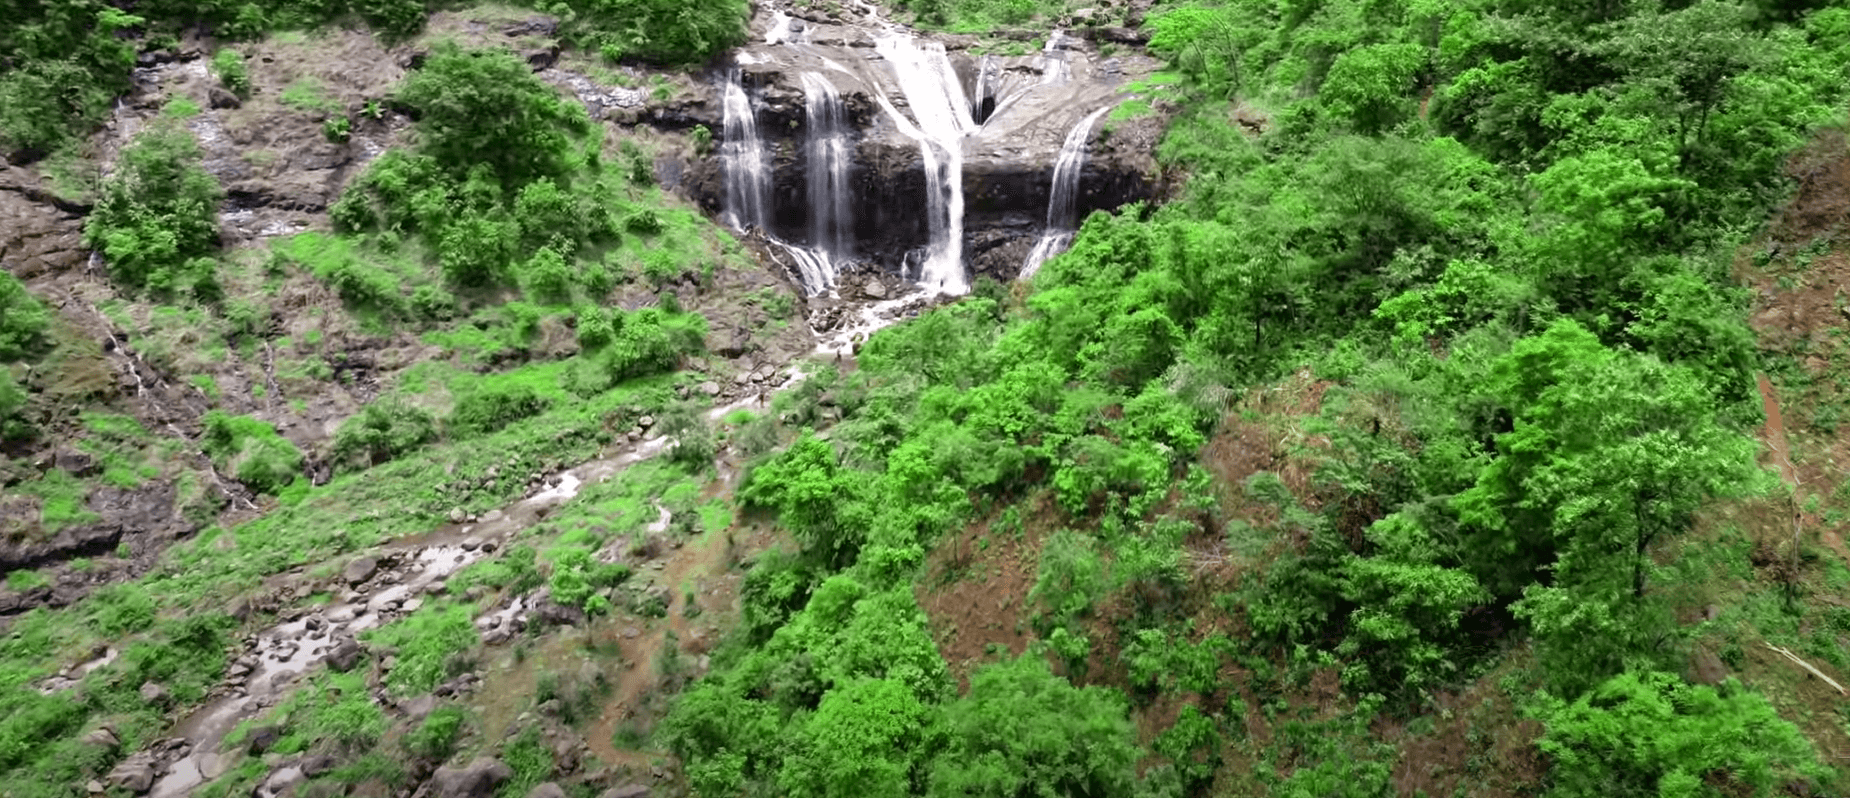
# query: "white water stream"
[[1063, 197]]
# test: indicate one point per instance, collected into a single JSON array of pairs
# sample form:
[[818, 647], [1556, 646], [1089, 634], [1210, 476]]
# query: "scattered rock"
[[874, 289], [281, 782], [478, 779], [345, 654], [153, 693], [360, 570], [102, 738], [547, 790], [93, 787], [710, 388], [317, 765], [627, 791], [457, 516], [135, 774], [261, 738], [221, 98]]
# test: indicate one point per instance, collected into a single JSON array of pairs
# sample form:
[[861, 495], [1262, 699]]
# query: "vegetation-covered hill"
[[1465, 424]]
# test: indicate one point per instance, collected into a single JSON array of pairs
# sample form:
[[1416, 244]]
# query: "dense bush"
[[23, 320], [486, 107], [383, 430], [1650, 734], [156, 222], [252, 450], [663, 31], [491, 408]]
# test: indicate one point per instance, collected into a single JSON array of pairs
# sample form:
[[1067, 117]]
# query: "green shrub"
[[650, 341], [487, 107], [396, 19], [427, 641], [547, 278], [338, 129], [435, 739], [383, 430], [490, 409], [596, 327], [157, 220], [252, 450], [1650, 734], [13, 399], [23, 320], [228, 64], [662, 31]]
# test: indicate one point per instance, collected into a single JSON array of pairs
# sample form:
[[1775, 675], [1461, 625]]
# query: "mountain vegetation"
[[1421, 440]]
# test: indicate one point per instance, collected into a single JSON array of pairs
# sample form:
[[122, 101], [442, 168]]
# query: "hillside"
[[622, 398]]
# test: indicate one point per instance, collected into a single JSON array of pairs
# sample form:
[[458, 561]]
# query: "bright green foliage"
[[489, 409], [23, 320], [1649, 734], [1609, 452], [652, 341], [251, 449], [13, 422], [1024, 731], [1192, 745], [436, 737], [228, 64], [486, 107], [857, 743], [426, 641], [807, 487], [1406, 610], [381, 431], [662, 31], [157, 220]]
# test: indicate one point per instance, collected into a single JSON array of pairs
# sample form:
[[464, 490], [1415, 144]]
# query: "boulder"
[[281, 782], [477, 779], [261, 738], [546, 790], [626, 791], [344, 655], [76, 463], [134, 774], [221, 98], [709, 388], [102, 738], [360, 570], [153, 693]]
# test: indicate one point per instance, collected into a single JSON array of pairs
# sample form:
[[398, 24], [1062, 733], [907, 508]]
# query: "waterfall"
[[831, 219], [1054, 68], [942, 120], [743, 162], [1063, 199]]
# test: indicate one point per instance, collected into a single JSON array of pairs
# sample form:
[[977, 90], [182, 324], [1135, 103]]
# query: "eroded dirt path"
[[1780, 449]]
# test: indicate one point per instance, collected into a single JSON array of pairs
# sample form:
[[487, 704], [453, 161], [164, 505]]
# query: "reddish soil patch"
[[1821, 206], [976, 587], [1476, 740], [642, 692]]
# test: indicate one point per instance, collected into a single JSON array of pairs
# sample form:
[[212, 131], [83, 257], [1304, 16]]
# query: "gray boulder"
[[478, 779]]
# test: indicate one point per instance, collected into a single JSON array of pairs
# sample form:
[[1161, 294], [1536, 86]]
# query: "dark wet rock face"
[[1016, 112]]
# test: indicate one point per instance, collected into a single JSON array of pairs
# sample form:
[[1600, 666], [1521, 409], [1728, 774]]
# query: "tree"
[[1022, 731], [1649, 735], [1609, 452], [157, 220], [860, 742], [485, 106]]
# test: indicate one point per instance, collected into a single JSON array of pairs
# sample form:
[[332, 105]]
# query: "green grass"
[[180, 108], [307, 94], [426, 642], [26, 579]]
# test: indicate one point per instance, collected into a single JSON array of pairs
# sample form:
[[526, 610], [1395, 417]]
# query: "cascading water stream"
[[1054, 68], [936, 97], [831, 218], [1063, 199], [743, 165]]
